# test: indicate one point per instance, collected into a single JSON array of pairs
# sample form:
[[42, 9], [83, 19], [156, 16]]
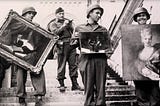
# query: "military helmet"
[[28, 9], [92, 7], [138, 11]]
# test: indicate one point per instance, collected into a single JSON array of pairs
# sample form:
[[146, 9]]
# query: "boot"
[[62, 87], [75, 85], [22, 101], [39, 101]]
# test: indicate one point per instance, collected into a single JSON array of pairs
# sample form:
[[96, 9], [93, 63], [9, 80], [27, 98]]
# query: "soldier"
[[66, 53], [38, 80], [93, 66], [147, 91]]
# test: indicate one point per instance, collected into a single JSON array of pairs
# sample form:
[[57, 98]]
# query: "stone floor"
[[50, 69]]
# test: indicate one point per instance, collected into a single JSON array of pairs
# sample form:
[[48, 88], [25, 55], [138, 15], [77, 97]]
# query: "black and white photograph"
[[79, 53]]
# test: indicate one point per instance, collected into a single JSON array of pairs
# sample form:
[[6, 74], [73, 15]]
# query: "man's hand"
[[26, 49], [66, 23], [76, 35], [108, 52], [9, 61], [74, 42], [37, 25]]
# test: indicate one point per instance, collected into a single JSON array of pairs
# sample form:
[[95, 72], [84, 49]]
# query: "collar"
[[93, 26], [87, 23], [57, 20]]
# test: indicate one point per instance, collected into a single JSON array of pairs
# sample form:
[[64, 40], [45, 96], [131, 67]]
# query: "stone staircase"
[[118, 92]]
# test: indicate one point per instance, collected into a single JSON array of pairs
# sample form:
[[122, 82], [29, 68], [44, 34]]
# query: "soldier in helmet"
[[147, 91], [93, 66], [141, 15], [20, 30], [29, 10]]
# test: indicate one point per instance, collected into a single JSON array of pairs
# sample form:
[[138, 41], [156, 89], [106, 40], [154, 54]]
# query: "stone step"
[[70, 94], [116, 83], [119, 87], [114, 90], [121, 103], [120, 97], [46, 104], [114, 78], [53, 95], [114, 75], [67, 98], [120, 92], [108, 87], [109, 103], [53, 98]]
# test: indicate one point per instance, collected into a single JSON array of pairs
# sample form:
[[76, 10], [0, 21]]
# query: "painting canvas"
[[94, 42], [24, 42], [140, 52]]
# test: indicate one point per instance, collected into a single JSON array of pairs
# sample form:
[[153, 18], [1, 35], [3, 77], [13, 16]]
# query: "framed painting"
[[94, 42], [25, 43], [140, 52]]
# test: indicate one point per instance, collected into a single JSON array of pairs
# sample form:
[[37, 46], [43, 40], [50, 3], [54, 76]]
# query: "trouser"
[[3, 66], [148, 93], [94, 78], [2, 74], [68, 55], [38, 82]]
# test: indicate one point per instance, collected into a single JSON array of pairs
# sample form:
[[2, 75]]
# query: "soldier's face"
[[95, 15], [142, 18], [29, 16], [60, 15]]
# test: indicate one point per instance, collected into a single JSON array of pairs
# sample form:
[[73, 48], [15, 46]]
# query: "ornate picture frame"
[[94, 42], [17, 35]]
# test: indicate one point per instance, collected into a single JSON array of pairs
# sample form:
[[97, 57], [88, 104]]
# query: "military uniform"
[[38, 81], [66, 52], [93, 70], [20, 29]]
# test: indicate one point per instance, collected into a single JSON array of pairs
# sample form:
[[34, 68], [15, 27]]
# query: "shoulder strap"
[[49, 24]]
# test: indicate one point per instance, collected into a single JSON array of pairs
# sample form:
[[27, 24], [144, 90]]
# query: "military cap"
[[60, 9]]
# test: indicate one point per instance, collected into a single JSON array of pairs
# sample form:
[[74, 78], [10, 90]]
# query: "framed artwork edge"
[[84, 50]]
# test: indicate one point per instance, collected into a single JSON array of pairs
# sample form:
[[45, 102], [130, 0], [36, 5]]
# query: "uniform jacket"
[[55, 26], [64, 33]]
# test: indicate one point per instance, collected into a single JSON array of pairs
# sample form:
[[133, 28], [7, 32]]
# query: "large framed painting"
[[141, 52], [94, 42], [25, 43]]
